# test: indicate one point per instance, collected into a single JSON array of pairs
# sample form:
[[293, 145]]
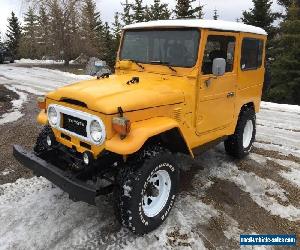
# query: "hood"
[[106, 95]]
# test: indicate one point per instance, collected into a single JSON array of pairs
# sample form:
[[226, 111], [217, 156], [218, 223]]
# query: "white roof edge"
[[199, 23]]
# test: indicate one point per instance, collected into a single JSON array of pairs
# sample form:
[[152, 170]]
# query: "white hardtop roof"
[[199, 23]]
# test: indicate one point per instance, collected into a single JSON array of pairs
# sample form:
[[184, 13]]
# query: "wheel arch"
[[249, 105], [160, 129]]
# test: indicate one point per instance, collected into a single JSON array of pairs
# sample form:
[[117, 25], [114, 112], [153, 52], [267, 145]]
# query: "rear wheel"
[[240, 143], [146, 195]]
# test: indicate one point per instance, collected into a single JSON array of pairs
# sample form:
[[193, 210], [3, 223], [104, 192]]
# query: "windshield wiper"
[[165, 64], [137, 63]]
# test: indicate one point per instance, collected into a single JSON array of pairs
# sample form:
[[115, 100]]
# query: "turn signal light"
[[121, 125], [41, 102]]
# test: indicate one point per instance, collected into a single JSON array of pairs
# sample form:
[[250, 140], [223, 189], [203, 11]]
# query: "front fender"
[[140, 132]]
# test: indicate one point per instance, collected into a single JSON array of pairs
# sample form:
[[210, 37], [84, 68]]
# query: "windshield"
[[175, 47]]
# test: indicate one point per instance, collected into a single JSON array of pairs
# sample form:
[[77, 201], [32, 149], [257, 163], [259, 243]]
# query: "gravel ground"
[[23, 131], [6, 96], [220, 198]]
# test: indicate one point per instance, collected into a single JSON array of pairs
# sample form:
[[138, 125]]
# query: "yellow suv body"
[[181, 83], [202, 106]]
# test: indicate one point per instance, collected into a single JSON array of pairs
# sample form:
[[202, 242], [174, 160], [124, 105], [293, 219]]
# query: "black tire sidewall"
[[246, 116], [41, 142], [138, 221]]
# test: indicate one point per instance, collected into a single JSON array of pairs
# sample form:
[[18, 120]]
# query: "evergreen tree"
[[199, 11], [126, 15], [109, 53], [44, 48], [215, 16], [184, 9], [92, 28], [138, 10], [13, 35], [285, 3], [117, 29], [29, 38], [65, 32], [286, 68], [261, 16], [1, 43], [158, 11]]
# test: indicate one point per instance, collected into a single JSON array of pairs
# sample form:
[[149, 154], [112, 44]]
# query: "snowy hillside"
[[260, 194]]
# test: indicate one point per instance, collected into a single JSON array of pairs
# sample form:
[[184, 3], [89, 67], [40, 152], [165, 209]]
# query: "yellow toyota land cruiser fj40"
[[179, 85]]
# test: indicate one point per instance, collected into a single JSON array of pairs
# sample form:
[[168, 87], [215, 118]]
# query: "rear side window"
[[252, 52]]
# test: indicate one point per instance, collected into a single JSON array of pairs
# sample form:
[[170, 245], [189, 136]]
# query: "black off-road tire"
[[133, 182], [234, 143], [41, 142]]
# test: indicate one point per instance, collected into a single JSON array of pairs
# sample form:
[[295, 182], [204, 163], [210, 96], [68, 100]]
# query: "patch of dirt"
[[269, 143], [229, 198], [275, 154], [271, 171], [214, 236], [6, 97], [187, 177], [176, 239], [23, 132]]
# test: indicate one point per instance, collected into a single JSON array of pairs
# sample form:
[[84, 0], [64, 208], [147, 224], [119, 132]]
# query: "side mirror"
[[219, 66]]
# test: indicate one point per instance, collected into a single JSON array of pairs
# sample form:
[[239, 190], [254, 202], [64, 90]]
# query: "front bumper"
[[77, 189]]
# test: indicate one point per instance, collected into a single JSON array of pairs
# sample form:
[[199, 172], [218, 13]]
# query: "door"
[[216, 98]]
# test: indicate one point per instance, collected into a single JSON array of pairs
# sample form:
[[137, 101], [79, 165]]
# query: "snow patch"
[[292, 174], [280, 107], [261, 190], [232, 232], [6, 172], [39, 80], [15, 112], [36, 61], [258, 158], [29, 90]]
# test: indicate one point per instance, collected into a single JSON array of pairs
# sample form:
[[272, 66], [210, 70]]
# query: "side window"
[[252, 52], [218, 47]]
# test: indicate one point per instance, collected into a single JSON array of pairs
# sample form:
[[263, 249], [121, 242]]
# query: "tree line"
[[64, 29]]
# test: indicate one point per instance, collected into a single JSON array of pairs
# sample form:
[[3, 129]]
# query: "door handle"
[[208, 81], [230, 94]]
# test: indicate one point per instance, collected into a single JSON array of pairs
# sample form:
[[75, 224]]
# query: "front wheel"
[[147, 194], [240, 143]]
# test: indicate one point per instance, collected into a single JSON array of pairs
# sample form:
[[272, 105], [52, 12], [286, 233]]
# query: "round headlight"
[[96, 131], [52, 116]]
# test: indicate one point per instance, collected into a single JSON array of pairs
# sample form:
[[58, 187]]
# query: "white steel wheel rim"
[[247, 135], [154, 203]]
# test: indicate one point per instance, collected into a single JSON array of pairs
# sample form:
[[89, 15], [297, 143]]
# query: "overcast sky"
[[228, 9]]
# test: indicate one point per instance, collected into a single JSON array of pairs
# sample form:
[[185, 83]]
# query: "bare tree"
[[64, 29]]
